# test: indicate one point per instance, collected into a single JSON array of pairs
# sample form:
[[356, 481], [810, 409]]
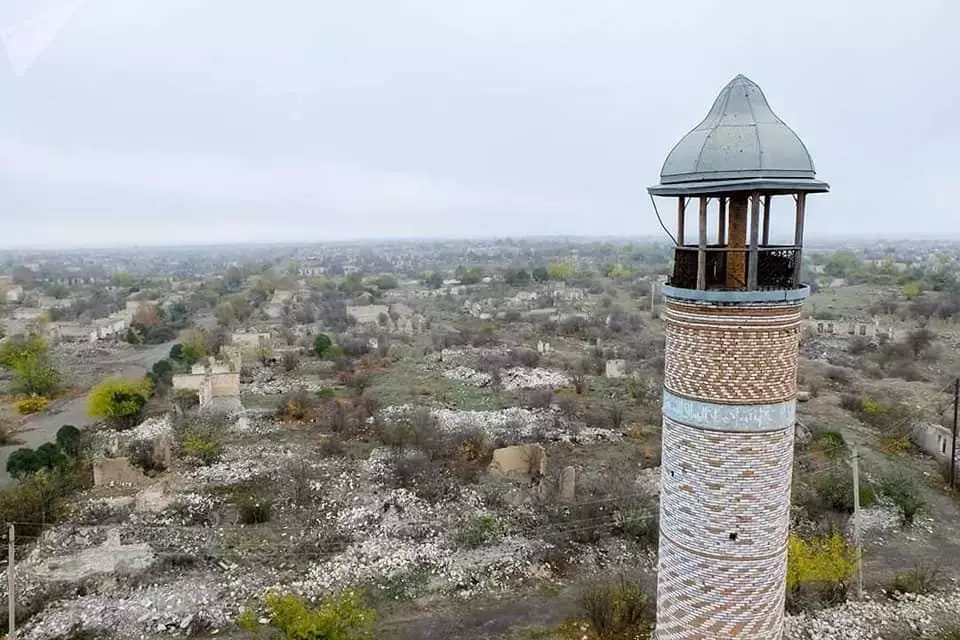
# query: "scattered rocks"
[[869, 619]]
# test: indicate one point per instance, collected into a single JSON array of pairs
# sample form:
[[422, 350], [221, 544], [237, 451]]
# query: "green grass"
[[847, 301], [408, 381]]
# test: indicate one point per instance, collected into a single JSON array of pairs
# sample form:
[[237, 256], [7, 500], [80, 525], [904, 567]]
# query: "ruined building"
[[731, 312]]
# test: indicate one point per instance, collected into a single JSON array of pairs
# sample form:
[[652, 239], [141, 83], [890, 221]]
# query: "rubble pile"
[[512, 423], [469, 376], [869, 619], [244, 463], [523, 378]]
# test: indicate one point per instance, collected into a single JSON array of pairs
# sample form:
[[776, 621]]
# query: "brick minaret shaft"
[[731, 314], [726, 468]]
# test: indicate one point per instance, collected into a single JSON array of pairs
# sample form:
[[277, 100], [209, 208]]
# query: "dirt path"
[[488, 619], [42, 428], [935, 539]]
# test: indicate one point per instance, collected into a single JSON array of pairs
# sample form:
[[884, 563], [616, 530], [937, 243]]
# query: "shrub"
[[23, 462], [71, 441], [296, 407], [31, 404], [618, 608], [202, 447], [836, 491], [118, 401], [539, 398], [922, 579], [479, 531], [906, 495], [818, 570], [832, 444], [851, 402], [340, 616]]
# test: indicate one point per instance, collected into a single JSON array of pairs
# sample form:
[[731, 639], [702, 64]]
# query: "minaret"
[[731, 312]]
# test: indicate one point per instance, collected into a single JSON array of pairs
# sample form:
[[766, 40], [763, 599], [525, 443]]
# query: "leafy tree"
[[911, 290], [225, 314], [23, 462], [70, 440], [26, 357], [176, 352], [515, 276], [386, 282], [433, 279], [823, 565], [123, 279], [234, 278], [321, 343], [560, 270], [23, 275], [50, 455], [540, 274], [469, 275], [119, 401], [163, 370]]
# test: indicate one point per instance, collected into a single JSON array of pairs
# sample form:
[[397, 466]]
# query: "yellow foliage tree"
[[119, 401], [825, 562], [560, 270]]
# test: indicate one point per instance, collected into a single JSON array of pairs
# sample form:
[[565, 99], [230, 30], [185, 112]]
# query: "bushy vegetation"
[[340, 616], [618, 609], [31, 404], [118, 401], [479, 531], [60, 455], [819, 570], [27, 358], [906, 495]]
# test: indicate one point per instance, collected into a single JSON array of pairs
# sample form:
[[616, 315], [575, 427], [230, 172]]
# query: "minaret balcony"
[[727, 268]]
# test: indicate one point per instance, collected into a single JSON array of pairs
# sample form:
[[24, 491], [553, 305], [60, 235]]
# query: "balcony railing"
[[776, 268]]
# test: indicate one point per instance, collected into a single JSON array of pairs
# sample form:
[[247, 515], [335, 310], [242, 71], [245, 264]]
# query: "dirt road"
[[43, 428]]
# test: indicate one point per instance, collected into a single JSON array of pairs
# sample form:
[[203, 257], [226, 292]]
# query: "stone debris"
[[244, 463], [523, 378], [111, 557], [872, 619], [469, 376], [512, 423]]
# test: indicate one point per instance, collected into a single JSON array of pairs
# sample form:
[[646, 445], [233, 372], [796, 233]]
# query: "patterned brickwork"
[[743, 354], [715, 485], [715, 598], [730, 384]]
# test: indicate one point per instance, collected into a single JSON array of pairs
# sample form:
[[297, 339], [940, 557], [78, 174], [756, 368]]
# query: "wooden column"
[[702, 246], [754, 242], [722, 221], [681, 205], [766, 220], [798, 237], [737, 239]]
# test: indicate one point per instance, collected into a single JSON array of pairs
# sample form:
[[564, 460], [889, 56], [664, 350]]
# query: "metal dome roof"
[[741, 139]]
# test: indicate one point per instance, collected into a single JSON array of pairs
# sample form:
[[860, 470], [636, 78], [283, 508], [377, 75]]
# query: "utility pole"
[[856, 521], [11, 588], [953, 445]]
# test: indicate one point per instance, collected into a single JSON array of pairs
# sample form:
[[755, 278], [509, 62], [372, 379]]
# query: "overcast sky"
[[167, 121]]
